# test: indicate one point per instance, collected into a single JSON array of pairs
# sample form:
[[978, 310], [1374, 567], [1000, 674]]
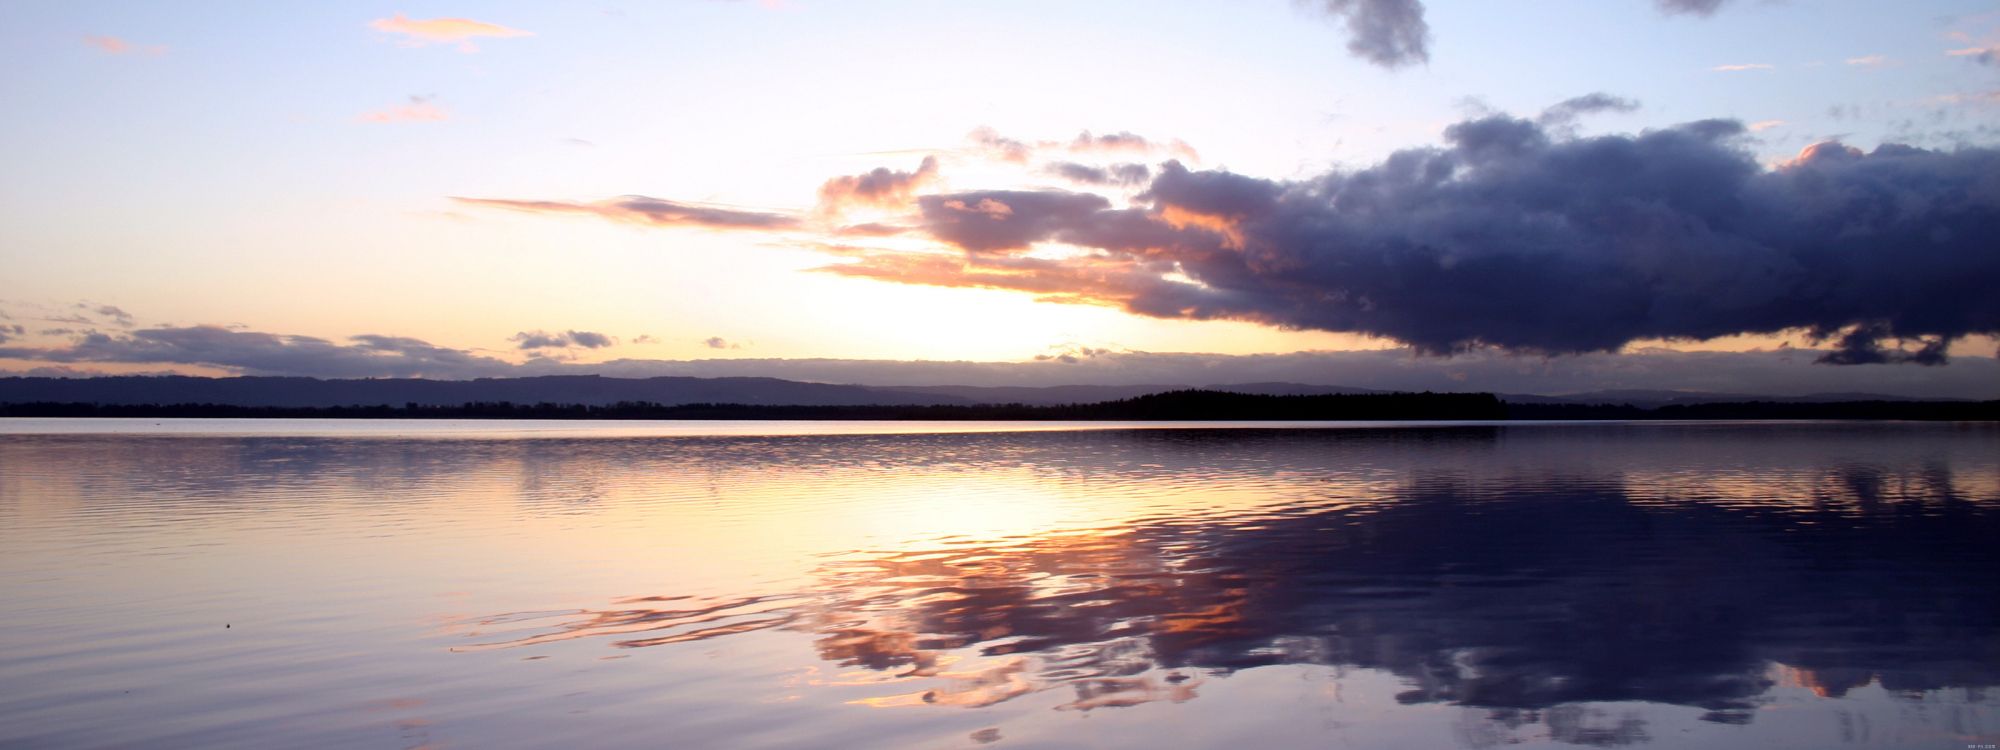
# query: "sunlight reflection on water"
[[1477, 585]]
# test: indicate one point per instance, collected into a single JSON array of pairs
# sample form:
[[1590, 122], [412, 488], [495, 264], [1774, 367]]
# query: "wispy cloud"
[[718, 342], [419, 32], [113, 313], [639, 209], [1869, 61], [112, 45], [1742, 67], [419, 109], [1125, 143], [1969, 97], [1763, 125]]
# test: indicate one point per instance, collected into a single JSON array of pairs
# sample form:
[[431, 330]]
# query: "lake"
[[259, 584]]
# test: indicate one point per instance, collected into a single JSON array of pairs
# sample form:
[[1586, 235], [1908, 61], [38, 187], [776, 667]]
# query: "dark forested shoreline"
[[1196, 405]]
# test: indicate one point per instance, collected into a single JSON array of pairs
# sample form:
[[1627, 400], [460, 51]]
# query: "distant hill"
[[588, 390], [1031, 395], [1653, 398]]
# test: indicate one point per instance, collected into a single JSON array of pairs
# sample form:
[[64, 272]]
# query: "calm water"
[[476, 585]]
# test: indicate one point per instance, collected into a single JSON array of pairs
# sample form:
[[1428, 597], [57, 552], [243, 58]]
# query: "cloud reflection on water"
[[1534, 580]]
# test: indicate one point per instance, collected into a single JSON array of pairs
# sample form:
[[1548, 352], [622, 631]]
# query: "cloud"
[[1568, 110], [1517, 237], [880, 187], [561, 340], [1014, 151], [639, 209], [1115, 174], [419, 32], [1742, 67], [1388, 33], [10, 331], [1970, 97], [112, 45], [871, 229], [1393, 33], [1001, 147], [259, 353], [1870, 61], [1689, 7], [419, 109], [718, 342], [117, 316], [1763, 125], [1131, 143], [997, 220], [1073, 353], [1980, 55]]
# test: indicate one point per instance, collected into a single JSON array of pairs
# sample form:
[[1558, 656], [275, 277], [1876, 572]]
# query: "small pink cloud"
[[419, 32], [1742, 67], [112, 45], [419, 109]]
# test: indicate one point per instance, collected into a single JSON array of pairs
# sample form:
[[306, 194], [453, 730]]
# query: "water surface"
[[409, 584]]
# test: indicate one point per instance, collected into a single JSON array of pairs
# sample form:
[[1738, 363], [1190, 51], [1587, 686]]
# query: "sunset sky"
[[1580, 188]]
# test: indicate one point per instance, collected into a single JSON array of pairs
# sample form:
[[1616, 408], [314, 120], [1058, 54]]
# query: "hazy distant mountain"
[[565, 389]]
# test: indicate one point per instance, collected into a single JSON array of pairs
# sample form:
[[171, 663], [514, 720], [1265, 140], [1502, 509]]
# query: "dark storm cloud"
[[561, 340], [1518, 237], [640, 209], [269, 354], [1389, 33]]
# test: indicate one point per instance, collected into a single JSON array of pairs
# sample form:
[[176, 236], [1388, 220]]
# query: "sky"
[[483, 189]]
